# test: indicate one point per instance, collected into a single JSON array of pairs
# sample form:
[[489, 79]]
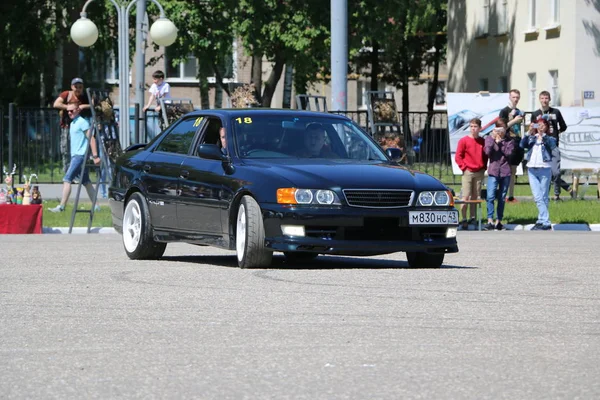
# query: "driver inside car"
[[314, 143]]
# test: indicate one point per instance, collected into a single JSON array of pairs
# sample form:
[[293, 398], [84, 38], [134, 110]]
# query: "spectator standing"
[[80, 134], [539, 146], [472, 161], [514, 116], [557, 126], [499, 147], [159, 90], [78, 97]]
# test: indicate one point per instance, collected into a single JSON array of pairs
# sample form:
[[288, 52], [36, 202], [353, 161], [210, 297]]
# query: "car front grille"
[[376, 198]]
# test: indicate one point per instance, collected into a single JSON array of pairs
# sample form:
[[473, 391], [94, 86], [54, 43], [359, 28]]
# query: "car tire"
[[425, 260], [250, 236], [137, 231], [295, 257]]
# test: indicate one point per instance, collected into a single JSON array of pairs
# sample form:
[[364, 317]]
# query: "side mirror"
[[212, 152], [394, 153]]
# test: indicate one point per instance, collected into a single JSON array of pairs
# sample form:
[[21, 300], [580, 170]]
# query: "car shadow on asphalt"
[[321, 262]]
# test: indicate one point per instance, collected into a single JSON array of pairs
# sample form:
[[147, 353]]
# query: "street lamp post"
[[85, 33]]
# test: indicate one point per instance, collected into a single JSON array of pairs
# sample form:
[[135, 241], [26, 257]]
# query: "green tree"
[[33, 30], [393, 38], [205, 32], [292, 31]]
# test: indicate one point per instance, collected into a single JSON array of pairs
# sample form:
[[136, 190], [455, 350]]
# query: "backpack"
[[516, 157]]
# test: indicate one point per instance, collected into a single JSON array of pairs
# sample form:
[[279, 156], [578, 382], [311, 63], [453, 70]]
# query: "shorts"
[[471, 184], [74, 171]]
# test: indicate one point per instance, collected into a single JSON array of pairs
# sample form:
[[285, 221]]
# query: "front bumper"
[[353, 231]]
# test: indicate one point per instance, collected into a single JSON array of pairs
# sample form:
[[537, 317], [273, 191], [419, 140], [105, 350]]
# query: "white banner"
[[579, 144]]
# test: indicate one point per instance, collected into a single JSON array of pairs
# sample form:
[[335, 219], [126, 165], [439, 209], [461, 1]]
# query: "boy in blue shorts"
[[79, 133]]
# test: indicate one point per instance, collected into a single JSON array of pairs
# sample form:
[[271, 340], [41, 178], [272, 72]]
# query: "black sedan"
[[261, 180]]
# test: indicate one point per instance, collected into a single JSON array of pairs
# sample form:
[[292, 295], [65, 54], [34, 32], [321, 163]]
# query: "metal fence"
[[36, 141]]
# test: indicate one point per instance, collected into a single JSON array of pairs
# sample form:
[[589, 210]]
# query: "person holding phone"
[[514, 118], [499, 147], [557, 125], [539, 146]]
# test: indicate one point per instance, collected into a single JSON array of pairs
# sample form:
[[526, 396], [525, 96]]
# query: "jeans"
[[496, 189], [74, 171], [539, 181]]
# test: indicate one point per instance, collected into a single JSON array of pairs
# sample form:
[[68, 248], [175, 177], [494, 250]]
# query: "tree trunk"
[[375, 66], [301, 85], [405, 107], [220, 84], [218, 96], [435, 82], [271, 83], [287, 86], [256, 75]]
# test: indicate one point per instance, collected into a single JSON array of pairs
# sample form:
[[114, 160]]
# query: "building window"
[[554, 99], [532, 14], [483, 19], [484, 85], [532, 90], [362, 87], [185, 71], [502, 12], [554, 12], [503, 84]]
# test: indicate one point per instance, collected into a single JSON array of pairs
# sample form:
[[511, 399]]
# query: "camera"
[[535, 126], [518, 113]]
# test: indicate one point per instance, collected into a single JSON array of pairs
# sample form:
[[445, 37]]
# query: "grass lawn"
[[523, 212], [564, 212], [102, 218]]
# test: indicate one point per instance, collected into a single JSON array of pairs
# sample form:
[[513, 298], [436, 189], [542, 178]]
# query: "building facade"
[[530, 45]]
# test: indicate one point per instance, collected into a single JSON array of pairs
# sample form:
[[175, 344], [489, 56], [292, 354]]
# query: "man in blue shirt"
[[79, 133]]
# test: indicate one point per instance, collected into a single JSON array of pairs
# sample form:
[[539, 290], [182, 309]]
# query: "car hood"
[[346, 174]]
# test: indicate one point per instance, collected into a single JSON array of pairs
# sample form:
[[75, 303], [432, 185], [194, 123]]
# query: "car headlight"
[[435, 198], [307, 196]]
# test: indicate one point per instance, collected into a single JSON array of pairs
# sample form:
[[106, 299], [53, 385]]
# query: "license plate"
[[433, 217]]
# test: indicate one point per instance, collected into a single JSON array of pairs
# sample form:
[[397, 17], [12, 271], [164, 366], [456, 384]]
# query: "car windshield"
[[290, 136]]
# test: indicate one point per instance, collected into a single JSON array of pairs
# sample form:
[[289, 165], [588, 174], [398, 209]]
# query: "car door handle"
[[184, 174], [147, 168]]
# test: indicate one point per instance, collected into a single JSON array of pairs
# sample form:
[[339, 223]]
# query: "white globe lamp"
[[84, 32], [163, 32]]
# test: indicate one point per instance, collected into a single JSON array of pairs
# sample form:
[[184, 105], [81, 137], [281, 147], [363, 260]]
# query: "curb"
[[555, 227], [79, 230]]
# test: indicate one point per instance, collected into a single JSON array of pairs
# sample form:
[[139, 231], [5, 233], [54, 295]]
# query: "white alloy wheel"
[[250, 236], [240, 233], [132, 226], [137, 231]]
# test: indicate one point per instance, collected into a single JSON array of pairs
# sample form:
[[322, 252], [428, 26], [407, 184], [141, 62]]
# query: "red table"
[[15, 218]]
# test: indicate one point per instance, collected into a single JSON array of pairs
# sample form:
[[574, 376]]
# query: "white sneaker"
[[57, 209]]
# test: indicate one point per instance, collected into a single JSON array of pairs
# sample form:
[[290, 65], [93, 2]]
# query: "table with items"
[[20, 208]]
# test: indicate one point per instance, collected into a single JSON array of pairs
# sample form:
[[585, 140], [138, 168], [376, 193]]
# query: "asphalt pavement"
[[512, 315]]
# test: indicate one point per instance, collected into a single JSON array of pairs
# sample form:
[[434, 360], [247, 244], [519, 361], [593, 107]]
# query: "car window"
[[179, 139], [291, 136], [211, 133]]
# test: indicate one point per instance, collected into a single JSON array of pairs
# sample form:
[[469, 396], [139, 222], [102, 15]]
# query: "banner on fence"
[[579, 145]]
